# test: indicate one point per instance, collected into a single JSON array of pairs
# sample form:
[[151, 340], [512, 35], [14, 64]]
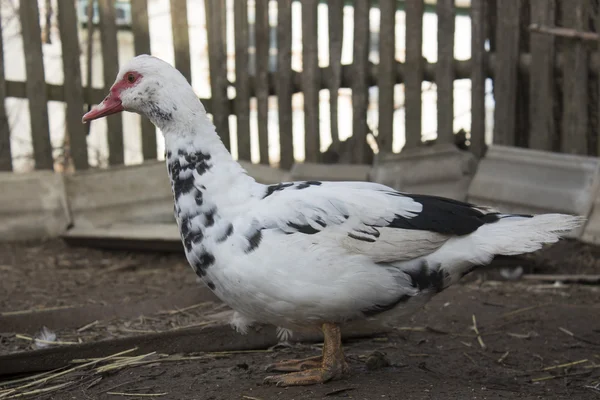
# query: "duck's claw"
[[330, 366], [307, 377], [295, 365]]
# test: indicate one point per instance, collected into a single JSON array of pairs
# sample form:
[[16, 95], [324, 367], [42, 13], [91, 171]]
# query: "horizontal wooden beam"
[[462, 70], [16, 89]]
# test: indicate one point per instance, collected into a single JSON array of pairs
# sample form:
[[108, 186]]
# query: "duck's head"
[[151, 87]]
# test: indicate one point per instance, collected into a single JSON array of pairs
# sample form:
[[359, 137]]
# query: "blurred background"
[[324, 32]]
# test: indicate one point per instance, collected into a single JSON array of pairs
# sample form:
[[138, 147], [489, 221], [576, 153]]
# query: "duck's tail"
[[510, 235]]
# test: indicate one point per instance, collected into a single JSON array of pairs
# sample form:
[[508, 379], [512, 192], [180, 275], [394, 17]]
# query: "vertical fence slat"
[[110, 63], [140, 27], [242, 87], [36, 85], [310, 80], [505, 71], [541, 78], [141, 41], [359, 84], [387, 74], [414, 69], [284, 82], [73, 89], [218, 68], [444, 73], [262, 77], [5, 151], [478, 76], [598, 100], [89, 59], [181, 37], [336, 35], [575, 83]]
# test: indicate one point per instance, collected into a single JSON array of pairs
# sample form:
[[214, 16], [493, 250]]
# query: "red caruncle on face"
[[112, 103], [130, 79]]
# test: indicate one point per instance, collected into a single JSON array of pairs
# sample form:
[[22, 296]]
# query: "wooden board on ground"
[[212, 334], [151, 236]]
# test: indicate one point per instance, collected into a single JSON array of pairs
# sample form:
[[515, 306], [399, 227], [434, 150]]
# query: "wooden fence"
[[545, 78]]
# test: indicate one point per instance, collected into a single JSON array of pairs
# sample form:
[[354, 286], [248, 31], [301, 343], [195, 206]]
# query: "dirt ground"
[[52, 274], [526, 330]]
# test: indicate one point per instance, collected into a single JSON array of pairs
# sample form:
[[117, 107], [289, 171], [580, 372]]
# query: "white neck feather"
[[189, 132]]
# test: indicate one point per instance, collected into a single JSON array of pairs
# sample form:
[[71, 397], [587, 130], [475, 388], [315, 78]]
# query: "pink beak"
[[110, 105]]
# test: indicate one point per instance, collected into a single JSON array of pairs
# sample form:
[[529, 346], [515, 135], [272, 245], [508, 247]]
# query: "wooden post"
[[541, 78], [69, 38], [575, 83], [359, 83], [336, 35], [89, 58], [218, 68], [110, 63], [181, 37], [505, 71], [444, 73], [387, 74], [598, 100], [413, 71], [262, 77], [478, 77], [311, 80], [36, 85], [141, 42], [284, 85], [5, 152], [242, 82]]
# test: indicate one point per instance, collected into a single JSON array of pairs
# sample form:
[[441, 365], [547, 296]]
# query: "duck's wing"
[[367, 218]]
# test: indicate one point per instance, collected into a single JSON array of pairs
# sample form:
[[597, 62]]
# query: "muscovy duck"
[[310, 254]]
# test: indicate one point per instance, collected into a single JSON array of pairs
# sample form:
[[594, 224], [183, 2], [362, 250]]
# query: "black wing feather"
[[446, 216]]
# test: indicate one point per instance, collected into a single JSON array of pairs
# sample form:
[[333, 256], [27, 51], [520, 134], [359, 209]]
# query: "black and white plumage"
[[298, 254]]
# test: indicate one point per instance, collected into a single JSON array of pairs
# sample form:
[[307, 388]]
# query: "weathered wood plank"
[[522, 107], [36, 85], [56, 93], [218, 68], [462, 69], [242, 83], [5, 151], [360, 88], [284, 83], [69, 38], [141, 42], [217, 337], [311, 80], [541, 80], [575, 83], [336, 35], [478, 77], [444, 73], [387, 74], [597, 71], [110, 63], [505, 71], [89, 60], [413, 72], [140, 27], [262, 77], [181, 37]]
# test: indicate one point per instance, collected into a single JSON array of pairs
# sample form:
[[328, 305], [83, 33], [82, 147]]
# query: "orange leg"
[[330, 366]]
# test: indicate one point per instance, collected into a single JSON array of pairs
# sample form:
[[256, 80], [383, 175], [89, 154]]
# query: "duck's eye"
[[130, 78]]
